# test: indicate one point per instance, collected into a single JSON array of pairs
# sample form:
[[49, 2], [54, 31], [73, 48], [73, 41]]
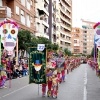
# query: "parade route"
[[81, 84]]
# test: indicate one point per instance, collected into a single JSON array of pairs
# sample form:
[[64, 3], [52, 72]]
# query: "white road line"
[[85, 84], [14, 91]]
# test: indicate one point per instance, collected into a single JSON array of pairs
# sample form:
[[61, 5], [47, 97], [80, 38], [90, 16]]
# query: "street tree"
[[92, 52], [24, 38], [67, 52]]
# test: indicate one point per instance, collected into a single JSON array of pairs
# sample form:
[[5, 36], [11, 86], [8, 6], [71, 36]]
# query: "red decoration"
[[5, 31], [97, 24], [2, 23], [8, 21], [3, 61], [13, 31]]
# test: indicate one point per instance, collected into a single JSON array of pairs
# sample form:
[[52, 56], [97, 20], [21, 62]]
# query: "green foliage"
[[40, 40], [67, 52], [25, 40], [24, 37], [43, 40], [55, 46], [92, 52]]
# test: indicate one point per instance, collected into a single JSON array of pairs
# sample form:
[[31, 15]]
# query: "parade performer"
[[3, 77], [63, 75], [59, 76], [44, 89], [54, 88], [49, 86]]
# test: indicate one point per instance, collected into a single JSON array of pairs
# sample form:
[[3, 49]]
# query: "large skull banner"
[[8, 32]]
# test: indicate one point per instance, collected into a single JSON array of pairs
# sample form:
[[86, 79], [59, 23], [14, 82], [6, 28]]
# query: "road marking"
[[85, 84], [14, 91]]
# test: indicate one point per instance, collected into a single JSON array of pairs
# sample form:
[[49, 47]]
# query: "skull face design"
[[8, 32]]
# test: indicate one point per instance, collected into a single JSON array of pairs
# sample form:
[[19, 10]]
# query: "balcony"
[[45, 22], [67, 34], [42, 9], [65, 19], [65, 40], [69, 8], [69, 2], [47, 1], [64, 12], [5, 12], [65, 26], [42, 35]]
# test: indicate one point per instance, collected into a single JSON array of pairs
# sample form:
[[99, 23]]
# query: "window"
[[23, 2], [28, 4], [22, 13], [31, 2], [22, 17], [17, 10], [57, 28], [75, 41], [31, 19], [28, 20], [84, 31], [0, 2]]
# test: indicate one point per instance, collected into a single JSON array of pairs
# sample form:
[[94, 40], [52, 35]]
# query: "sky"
[[85, 9]]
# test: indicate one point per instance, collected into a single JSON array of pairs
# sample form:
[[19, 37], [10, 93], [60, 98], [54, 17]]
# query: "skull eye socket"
[[12, 31], [5, 31]]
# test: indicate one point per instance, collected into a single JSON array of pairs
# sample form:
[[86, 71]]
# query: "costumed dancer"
[[3, 77], [59, 77], [44, 89], [54, 88], [63, 75], [49, 86]]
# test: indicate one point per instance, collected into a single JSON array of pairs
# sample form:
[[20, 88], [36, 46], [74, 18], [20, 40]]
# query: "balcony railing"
[[65, 12], [5, 12], [69, 8], [47, 1]]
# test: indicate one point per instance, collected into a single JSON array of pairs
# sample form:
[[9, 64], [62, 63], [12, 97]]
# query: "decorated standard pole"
[[97, 42], [0, 50], [8, 32]]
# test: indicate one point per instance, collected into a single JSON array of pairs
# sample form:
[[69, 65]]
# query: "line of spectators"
[[15, 71], [10, 70]]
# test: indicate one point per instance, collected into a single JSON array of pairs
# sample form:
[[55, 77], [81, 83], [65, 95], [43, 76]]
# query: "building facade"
[[77, 44], [83, 38], [88, 36], [21, 11], [60, 22], [65, 12], [41, 20]]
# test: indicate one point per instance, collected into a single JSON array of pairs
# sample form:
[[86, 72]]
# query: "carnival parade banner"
[[97, 42], [37, 65]]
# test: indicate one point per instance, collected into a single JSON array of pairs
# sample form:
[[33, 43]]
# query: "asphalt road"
[[81, 84]]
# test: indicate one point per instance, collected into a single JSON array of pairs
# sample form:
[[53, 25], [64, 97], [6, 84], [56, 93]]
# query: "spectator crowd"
[[9, 70]]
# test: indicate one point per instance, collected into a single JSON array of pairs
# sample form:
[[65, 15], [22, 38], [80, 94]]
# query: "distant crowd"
[[10, 70]]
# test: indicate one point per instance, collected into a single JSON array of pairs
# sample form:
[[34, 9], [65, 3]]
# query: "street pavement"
[[81, 84]]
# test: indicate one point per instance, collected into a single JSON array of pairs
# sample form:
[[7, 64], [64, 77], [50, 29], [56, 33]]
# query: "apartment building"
[[41, 20], [53, 4], [77, 44], [60, 22], [88, 36], [21, 11], [65, 12]]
